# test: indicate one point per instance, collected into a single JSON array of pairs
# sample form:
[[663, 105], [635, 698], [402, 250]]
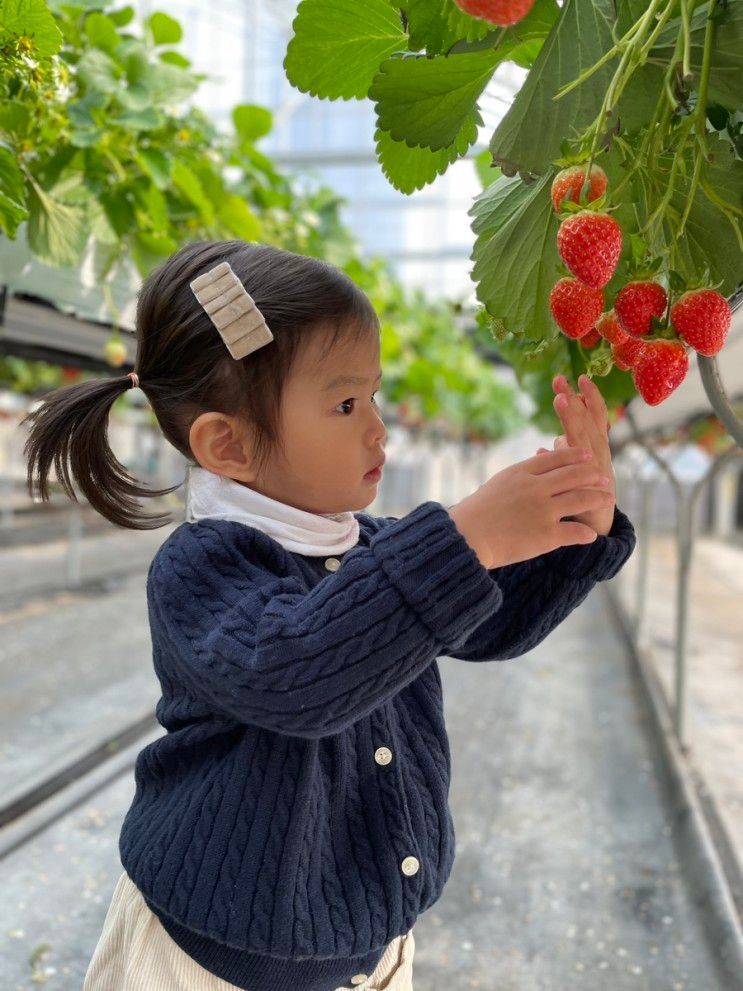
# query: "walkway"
[[566, 876]]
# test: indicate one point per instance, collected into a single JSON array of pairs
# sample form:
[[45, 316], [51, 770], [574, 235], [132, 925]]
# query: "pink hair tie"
[[135, 380]]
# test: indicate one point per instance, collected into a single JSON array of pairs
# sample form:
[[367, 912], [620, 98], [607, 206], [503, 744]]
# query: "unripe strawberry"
[[575, 307], [590, 243], [636, 305], [626, 352], [500, 12], [115, 352], [702, 317], [571, 181], [660, 368], [608, 326]]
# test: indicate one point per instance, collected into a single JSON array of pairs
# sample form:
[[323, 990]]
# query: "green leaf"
[[637, 103], [165, 30], [98, 72], [338, 44], [101, 31], [118, 209], [57, 231], [30, 19], [726, 70], [424, 100], [528, 138], [629, 13], [156, 164], [12, 193], [435, 25], [148, 119], [169, 84], [174, 58], [188, 183], [515, 253], [157, 244], [154, 83], [708, 239], [238, 218], [487, 172], [122, 17], [251, 121], [153, 208], [86, 137], [15, 118], [409, 168], [81, 111], [523, 41]]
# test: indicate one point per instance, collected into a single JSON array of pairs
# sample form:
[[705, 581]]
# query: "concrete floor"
[[714, 724], [566, 873]]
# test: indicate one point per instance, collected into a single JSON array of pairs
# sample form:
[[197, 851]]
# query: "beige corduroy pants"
[[135, 953]]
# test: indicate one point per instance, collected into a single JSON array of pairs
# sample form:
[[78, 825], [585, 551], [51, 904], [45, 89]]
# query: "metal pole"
[[74, 545], [687, 501], [647, 489], [684, 541]]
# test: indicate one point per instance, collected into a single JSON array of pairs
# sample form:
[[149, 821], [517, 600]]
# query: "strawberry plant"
[[618, 163], [102, 160]]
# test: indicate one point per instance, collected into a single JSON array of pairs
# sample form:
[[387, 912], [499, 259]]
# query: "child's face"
[[332, 436]]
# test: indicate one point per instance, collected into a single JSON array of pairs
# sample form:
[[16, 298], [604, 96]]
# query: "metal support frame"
[[687, 498]]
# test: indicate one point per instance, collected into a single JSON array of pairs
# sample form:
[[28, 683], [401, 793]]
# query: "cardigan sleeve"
[[538, 594], [264, 650]]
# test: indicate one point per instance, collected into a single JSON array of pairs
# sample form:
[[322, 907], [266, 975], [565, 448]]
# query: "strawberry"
[[575, 306], [608, 326], [636, 305], [571, 181], [702, 317], [660, 368], [625, 353], [590, 243], [591, 339], [500, 12]]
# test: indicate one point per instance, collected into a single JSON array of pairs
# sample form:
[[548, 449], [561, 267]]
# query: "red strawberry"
[[702, 317], [575, 307], [590, 243], [661, 368], [500, 12], [608, 326], [626, 352], [591, 339], [636, 305], [571, 181]]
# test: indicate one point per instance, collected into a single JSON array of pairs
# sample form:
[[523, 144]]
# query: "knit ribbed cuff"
[[437, 572], [600, 560]]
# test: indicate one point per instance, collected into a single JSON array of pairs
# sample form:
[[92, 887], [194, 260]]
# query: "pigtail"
[[69, 430]]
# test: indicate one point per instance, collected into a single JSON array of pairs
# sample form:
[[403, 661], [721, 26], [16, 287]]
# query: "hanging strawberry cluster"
[[647, 337]]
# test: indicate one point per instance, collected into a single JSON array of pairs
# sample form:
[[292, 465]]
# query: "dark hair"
[[185, 369]]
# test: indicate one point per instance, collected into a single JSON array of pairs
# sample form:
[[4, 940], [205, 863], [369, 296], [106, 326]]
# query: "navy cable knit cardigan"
[[294, 819]]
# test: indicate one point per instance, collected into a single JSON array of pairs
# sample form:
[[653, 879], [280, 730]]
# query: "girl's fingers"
[[589, 396], [594, 402], [572, 415]]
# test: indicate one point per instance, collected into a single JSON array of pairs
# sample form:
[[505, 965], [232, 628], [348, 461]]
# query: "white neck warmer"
[[298, 531]]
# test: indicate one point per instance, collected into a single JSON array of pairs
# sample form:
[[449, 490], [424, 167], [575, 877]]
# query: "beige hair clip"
[[231, 309]]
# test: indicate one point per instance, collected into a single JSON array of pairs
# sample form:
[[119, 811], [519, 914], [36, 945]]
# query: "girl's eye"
[[347, 401]]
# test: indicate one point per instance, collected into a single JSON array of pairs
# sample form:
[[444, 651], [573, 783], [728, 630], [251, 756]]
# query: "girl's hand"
[[584, 418]]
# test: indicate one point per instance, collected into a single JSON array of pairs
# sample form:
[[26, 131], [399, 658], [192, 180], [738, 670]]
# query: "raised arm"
[[266, 651]]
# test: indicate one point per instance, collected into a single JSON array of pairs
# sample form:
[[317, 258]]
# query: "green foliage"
[[99, 151], [652, 91], [530, 135], [337, 47]]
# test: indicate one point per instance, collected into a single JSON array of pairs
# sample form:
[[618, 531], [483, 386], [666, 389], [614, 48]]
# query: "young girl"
[[293, 822]]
